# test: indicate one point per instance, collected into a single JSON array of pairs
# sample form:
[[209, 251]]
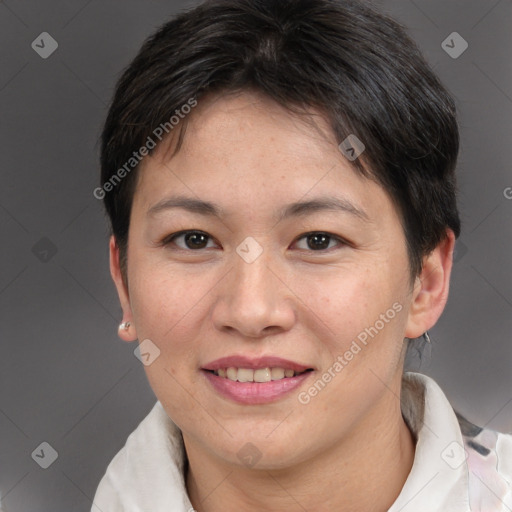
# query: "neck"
[[364, 471]]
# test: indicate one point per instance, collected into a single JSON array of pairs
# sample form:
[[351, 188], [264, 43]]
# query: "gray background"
[[65, 377]]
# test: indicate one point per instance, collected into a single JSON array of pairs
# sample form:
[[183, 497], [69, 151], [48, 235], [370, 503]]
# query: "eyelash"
[[170, 239]]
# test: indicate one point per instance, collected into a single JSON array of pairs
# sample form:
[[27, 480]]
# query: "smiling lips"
[[255, 381]]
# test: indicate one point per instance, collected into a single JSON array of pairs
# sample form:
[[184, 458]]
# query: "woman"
[[280, 181]]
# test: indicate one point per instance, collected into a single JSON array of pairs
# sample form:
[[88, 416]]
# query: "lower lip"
[[254, 393]]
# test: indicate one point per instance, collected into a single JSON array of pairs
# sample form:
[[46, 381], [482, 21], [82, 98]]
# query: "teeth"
[[259, 375], [245, 375], [277, 373], [262, 375]]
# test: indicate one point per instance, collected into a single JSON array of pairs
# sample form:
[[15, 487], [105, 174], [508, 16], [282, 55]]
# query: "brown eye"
[[192, 239], [319, 241]]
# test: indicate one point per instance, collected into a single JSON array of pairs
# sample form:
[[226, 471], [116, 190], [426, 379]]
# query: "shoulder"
[[489, 461], [117, 483]]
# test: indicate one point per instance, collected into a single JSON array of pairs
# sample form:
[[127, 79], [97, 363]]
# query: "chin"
[[264, 452]]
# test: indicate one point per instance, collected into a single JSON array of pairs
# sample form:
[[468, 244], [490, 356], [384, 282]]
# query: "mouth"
[[255, 381]]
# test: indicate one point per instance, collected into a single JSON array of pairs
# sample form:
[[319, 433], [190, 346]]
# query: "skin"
[[349, 448]]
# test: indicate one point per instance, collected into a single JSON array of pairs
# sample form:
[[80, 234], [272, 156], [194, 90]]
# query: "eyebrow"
[[297, 209]]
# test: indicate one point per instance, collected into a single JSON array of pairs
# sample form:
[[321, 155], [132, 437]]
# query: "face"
[[268, 286]]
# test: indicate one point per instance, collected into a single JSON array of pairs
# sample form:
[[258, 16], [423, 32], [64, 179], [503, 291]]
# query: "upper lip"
[[238, 361]]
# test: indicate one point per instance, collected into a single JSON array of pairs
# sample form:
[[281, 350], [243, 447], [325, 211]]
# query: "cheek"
[[165, 300], [168, 309], [361, 349], [365, 314], [345, 302]]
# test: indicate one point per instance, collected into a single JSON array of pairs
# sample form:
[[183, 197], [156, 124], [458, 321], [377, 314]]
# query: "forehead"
[[249, 153]]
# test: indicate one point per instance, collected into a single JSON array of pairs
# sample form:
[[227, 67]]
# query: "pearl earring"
[[125, 326]]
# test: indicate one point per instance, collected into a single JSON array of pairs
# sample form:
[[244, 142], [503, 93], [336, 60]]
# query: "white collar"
[[438, 477]]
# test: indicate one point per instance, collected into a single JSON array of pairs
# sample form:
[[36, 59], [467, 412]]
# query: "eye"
[[319, 240], [316, 241], [193, 239]]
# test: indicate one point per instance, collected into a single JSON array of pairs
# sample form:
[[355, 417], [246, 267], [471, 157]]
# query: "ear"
[[129, 334], [431, 288]]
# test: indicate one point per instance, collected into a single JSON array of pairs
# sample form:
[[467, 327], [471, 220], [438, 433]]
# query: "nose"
[[254, 299]]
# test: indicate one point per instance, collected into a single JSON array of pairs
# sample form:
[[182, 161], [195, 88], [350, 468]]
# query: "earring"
[[125, 326], [427, 337]]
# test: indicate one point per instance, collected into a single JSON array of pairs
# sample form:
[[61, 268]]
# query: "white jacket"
[[458, 467]]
